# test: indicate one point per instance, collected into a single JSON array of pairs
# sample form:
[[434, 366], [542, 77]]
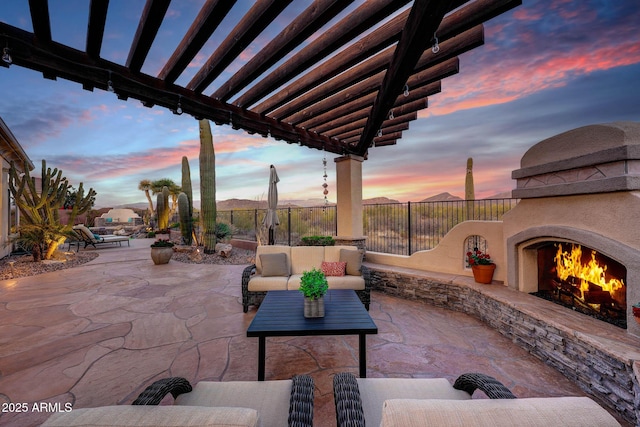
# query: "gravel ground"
[[15, 266]]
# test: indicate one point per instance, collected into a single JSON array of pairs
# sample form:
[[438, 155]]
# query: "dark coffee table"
[[281, 315]]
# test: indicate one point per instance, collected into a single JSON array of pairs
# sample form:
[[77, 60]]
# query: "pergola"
[[354, 86]]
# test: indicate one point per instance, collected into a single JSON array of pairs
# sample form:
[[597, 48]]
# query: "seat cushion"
[[261, 284], [305, 258], [86, 234], [269, 398], [542, 412], [274, 265], [374, 392], [155, 416], [346, 282]]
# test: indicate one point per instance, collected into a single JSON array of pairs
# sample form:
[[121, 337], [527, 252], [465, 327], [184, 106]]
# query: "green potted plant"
[[481, 265], [636, 311], [318, 241], [313, 285], [161, 251]]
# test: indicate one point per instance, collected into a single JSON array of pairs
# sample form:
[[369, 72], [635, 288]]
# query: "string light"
[[406, 90], [110, 84], [6, 57], [436, 47], [179, 108]]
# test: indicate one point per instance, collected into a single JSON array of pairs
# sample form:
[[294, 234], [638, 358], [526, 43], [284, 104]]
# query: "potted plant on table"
[[313, 286], [161, 251], [481, 265]]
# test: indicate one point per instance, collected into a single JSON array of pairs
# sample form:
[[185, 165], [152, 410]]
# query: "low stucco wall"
[[450, 254]]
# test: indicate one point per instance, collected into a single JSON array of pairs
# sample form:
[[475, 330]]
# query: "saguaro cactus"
[[162, 207], [186, 222], [207, 188], [469, 191], [186, 184]]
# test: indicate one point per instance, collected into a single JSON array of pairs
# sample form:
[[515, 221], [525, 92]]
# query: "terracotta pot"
[[161, 255], [313, 307], [483, 273]]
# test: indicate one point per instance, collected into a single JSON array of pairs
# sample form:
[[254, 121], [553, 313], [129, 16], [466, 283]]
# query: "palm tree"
[[145, 185]]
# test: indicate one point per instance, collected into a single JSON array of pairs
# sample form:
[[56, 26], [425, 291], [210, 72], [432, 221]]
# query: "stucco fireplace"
[[580, 190]]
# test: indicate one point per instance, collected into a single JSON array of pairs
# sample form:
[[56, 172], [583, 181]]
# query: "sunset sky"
[[546, 67]]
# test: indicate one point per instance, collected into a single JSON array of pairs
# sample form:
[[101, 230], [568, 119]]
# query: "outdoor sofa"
[[280, 268], [407, 402], [86, 237], [208, 404]]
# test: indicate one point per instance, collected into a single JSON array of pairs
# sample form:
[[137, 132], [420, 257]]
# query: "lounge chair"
[[234, 403], [88, 238], [409, 402]]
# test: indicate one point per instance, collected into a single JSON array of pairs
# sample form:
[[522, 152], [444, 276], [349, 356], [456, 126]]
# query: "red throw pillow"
[[333, 268]]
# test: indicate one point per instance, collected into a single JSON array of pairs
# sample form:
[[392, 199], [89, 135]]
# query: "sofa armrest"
[[349, 412], [301, 402], [493, 388], [154, 394], [246, 275]]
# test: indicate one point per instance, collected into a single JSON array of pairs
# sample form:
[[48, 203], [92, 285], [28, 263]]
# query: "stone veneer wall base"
[[601, 359]]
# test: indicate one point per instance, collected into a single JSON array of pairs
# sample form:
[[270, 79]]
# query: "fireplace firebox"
[[584, 280]]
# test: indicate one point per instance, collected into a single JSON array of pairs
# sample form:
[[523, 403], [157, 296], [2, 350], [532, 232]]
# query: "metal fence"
[[295, 223], [405, 228], [395, 228]]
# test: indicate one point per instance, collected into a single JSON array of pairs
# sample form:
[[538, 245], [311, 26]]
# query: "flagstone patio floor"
[[98, 334]]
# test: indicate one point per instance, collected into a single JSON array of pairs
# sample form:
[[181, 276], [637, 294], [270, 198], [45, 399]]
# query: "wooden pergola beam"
[[358, 21], [357, 126], [302, 27], [385, 131], [361, 108], [152, 16], [250, 26], [95, 28], [425, 18], [39, 10], [208, 19]]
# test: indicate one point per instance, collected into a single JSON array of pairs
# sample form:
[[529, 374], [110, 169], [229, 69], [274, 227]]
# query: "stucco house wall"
[[10, 150]]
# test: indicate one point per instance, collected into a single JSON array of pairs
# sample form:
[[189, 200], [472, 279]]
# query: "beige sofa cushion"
[[346, 282], [305, 258], [332, 253], [264, 284], [374, 392], [155, 416], [538, 412], [271, 249], [269, 398]]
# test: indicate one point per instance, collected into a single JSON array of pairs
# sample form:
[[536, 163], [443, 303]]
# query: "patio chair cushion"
[[353, 260], [529, 412], [156, 416], [375, 391], [265, 284], [274, 265], [269, 398]]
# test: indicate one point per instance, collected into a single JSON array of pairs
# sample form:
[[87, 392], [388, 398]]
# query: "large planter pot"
[[483, 273], [313, 307], [161, 255]]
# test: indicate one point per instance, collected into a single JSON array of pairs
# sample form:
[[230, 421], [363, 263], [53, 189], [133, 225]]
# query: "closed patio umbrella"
[[271, 219]]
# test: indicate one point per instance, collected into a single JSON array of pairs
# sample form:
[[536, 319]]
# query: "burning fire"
[[570, 264]]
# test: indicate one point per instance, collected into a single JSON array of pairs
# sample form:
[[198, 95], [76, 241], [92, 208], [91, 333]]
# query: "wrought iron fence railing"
[[396, 228]]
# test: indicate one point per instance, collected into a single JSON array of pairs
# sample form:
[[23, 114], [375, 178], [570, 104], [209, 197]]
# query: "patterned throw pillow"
[[333, 268]]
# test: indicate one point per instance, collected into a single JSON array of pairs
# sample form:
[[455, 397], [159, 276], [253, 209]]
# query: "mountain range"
[[231, 204]]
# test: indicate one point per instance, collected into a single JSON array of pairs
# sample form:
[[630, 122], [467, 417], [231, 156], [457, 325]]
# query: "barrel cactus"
[[186, 224], [207, 187]]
